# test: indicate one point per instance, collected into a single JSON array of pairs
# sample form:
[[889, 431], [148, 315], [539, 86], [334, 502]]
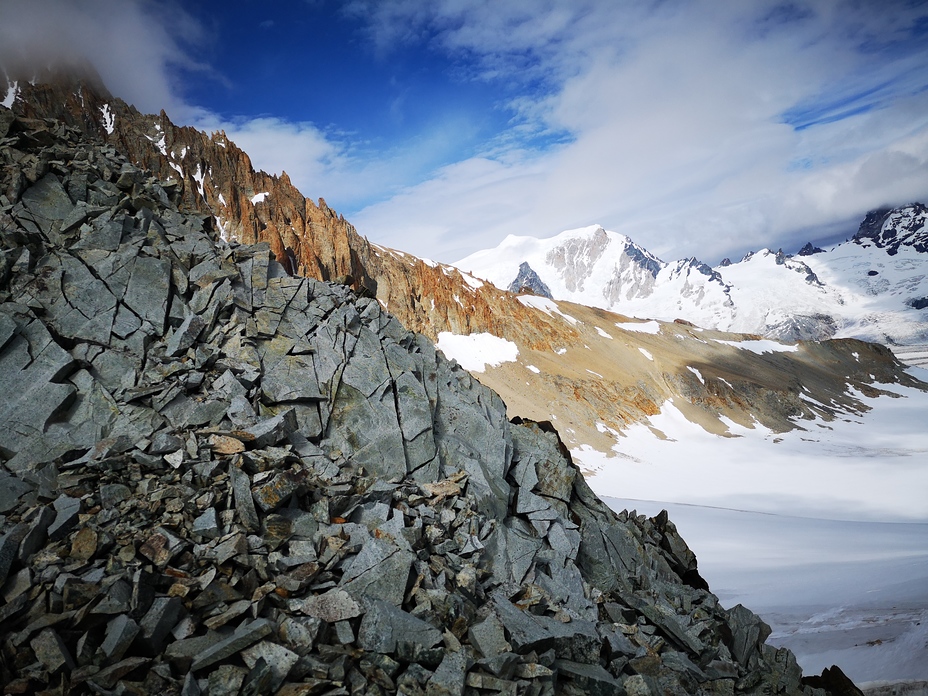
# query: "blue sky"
[[705, 127]]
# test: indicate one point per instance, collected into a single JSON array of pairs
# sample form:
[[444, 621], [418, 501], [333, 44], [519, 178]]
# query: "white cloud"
[[697, 128], [678, 130], [135, 45]]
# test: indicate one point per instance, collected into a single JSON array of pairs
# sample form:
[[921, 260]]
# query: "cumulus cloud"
[[697, 128]]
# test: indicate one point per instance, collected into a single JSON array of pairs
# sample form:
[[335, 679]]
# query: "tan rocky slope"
[[589, 381]]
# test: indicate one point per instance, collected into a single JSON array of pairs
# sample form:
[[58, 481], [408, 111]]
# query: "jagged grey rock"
[[120, 632], [384, 626]]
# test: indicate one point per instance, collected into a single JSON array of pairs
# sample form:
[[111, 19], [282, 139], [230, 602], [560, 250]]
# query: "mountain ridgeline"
[[220, 477], [870, 287], [588, 383]]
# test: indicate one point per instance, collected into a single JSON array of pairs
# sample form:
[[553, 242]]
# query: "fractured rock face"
[[220, 477]]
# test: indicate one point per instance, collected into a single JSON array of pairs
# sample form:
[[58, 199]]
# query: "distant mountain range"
[[873, 287]]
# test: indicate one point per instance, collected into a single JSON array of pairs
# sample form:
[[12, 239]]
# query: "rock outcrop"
[[528, 281], [892, 228], [220, 478]]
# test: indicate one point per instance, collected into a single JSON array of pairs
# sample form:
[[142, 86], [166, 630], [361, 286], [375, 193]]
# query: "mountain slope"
[[215, 476], [617, 384]]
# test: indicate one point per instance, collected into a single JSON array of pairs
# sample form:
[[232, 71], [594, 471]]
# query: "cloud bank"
[[697, 128]]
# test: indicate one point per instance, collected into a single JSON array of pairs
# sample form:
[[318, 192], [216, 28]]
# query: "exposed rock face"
[[214, 177], [892, 228], [528, 281], [809, 249], [814, 327], [219, 478]]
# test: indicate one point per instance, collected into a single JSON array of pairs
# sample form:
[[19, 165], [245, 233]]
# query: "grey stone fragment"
[[30, 365], [300, 633], [672, 628], [51, 651], [82, 307], [107, 677], [503, 665], [12, 488], [270, 431], [226, 679], [380, 570], [190, 687], [748, 633], [184, 651], [259, 680], [334, 605], [148, 290], [185, 335], [116, 600], [291, 379], [9, 548], [244, 503], [576, 640], [513, 547], [240, 639], [233, 546], [448, 679], [8, 329], [525, 632], [161, 546], [156, 625], [681, 663], [344, 633], [277, 657], [103, 234], [164, 443], [39, 523], [365, 409], [591, 679], [488, 637], [384, 626], [618, 642], [120, 632], [48, 202], [17, 585], [206, 525], [241, 413], [278, 490], [111, 494], [67, 510]]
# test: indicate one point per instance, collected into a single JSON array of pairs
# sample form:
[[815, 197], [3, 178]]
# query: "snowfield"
[[823, 532], [477, 351]]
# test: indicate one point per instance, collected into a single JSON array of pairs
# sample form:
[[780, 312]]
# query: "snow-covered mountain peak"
[[875, 288], [589, 265]]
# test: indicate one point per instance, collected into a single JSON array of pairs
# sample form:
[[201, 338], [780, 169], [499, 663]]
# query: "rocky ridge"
[[216, 178], [220, 478]]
